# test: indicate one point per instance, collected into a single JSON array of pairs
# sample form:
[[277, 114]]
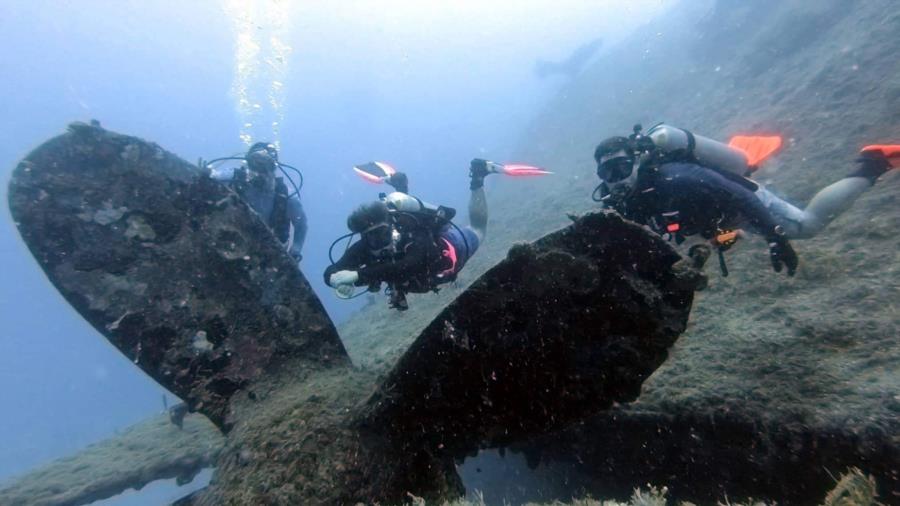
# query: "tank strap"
[[692, 143]]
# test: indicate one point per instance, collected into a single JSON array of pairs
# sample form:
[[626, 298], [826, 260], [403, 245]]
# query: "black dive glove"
[[782, 255]]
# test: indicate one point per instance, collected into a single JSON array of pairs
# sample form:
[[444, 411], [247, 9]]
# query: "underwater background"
[[771, 374]]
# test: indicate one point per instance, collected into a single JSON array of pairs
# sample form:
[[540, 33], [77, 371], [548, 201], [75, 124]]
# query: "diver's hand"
[[344, 291], [782, 255], [343, 278], [205, 169]]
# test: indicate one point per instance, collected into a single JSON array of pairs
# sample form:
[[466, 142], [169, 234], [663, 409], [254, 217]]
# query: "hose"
[[297, 189], [280, 165]]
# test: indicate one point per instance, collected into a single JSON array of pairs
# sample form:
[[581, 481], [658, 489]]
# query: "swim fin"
[[519, 170], [481, 168], [757, 147], [374, 172]]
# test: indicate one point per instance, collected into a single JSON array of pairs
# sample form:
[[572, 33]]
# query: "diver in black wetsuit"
[[257, 183], [683, 199], [409, 244]]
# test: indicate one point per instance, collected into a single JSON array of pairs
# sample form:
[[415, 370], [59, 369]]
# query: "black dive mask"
[[615, 169], [262, 157], [379, 237]]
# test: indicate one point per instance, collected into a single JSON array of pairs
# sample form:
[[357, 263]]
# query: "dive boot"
[[875, 160], [479, 169], [398, 181], [397, 299]]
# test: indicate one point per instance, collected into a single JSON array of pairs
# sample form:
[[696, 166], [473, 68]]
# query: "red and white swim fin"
[[374, 172], [518, 170]]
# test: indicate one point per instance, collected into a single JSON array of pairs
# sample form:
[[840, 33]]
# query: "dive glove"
[[782, 255], [343, 278]]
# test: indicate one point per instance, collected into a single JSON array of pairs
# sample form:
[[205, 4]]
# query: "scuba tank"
[[405, 203], [705, 151], [430, 215]]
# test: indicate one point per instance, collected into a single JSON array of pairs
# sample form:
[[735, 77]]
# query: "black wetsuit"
[[687, 199], [413, 268]]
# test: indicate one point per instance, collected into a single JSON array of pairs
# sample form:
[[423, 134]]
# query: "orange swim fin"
[[757, 147], [890, 151]]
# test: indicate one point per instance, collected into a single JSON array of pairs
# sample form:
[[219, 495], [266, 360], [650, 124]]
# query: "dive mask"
[[380, 237], [615, 168], [263, 155], [266, 150]]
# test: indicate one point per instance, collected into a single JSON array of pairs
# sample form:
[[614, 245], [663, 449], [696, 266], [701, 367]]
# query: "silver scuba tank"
[[706, 151], [406, 203]]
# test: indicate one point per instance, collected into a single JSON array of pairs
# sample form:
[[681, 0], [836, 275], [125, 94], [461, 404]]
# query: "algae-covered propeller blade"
[[558, 331], [169, 265]]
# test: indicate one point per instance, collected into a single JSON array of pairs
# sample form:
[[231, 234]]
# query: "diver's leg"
[[825, 206], [790, 217], [478, 212], [837, 197], [831, 201]]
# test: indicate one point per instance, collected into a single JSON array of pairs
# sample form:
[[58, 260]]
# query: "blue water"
[[424, 86]]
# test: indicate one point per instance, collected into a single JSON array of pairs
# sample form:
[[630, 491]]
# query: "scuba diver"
[[409, 244], [683, 185], [267, 194]]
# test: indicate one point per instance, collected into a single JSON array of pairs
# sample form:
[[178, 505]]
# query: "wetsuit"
[[269, 198], [688, 199], [414, 267]]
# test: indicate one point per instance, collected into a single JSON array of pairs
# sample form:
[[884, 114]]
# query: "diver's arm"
[[743, 201], [737, 197], [352, 260], [298, 220]]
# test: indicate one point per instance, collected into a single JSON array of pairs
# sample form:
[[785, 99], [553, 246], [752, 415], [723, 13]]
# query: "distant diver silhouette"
[[571, 66]]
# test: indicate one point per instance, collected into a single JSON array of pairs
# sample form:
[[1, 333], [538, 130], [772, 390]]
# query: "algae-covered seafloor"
[[852, 489], [151, 450]]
